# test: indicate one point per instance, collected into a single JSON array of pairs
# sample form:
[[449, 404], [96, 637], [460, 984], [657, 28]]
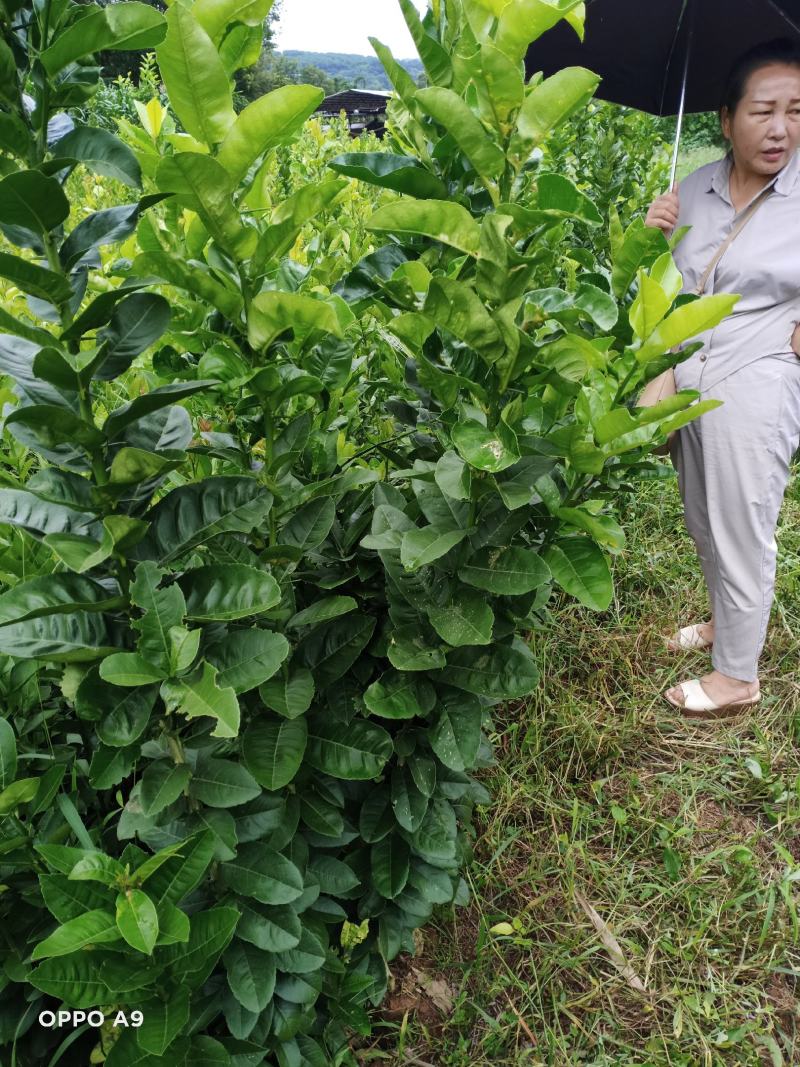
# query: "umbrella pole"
[[681, 109], [679, 128]]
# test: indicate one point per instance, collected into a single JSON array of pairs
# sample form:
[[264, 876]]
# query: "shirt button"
[[703, 359]]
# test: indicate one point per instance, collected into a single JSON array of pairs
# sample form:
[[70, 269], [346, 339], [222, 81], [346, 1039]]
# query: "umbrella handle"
[[681, 109]]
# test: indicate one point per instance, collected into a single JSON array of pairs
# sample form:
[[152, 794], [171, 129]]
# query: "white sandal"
[[688, 637], [698, 704]]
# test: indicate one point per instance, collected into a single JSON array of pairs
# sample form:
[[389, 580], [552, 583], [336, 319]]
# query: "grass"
[[684, 839], [696, 157]]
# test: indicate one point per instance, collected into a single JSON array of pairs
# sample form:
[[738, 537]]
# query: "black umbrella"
[[664, 56]]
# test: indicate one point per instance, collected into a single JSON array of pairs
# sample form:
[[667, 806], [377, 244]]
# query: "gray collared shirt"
[[762, 265]]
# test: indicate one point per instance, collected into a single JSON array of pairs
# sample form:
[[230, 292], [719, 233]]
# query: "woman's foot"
[[699, 635], [720, 688]]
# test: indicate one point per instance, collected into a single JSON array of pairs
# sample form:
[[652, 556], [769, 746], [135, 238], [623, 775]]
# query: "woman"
[[733, 463]]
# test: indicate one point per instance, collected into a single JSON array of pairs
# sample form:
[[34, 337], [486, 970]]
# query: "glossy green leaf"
[[194, 279], [8, 753], [456, 307], [581, 569], [200, 695], [390, 861], [79, 637], [357, 751], [501, 672], [455, 733], [686, 322], [72, 979], [38, 281], [461, 123], [251, 974], [223, 784], [247, 658], [193, 514], [93, 927], [549, 104], [262, 874], [32, 201], [204, 185], [129, 669], [137, 919], [403, 174], [101, 152], [55, 594], [400, 696], [466, 620], [162, 783], [120, 28], [198, 86], [525, 21], [273, 749], [223, 592], [442, 220], [18, 792], [163, 1019], [270, 120], [127, 714], [507, 571], [215, 15], [272, 313], [420, 547], [290, 695]]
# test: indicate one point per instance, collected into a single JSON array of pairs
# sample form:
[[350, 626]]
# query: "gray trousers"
[[733, 467]]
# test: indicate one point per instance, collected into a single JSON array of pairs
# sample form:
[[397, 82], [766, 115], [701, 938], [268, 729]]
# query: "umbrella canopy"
[[640, 47]]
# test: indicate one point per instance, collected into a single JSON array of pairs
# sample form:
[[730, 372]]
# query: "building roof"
[[363, 101]]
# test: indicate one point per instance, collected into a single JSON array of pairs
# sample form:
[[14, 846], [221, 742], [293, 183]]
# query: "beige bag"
[[664, 385]]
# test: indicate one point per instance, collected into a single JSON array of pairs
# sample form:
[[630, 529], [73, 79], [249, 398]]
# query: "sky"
[[344, 25]]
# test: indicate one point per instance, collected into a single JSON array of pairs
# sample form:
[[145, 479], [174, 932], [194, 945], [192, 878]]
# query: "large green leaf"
[[246, 658], [33, 201], [215, 15], [193, 514], [420, 547], [403, 174], [163, 1018], [191, 277], [506, 571], [400, 696], [442, 220], [485, 449], [272, 313], [262, 874], [38, 281], [141, 406], [331, 649], [524, 21], [225, 591], [118, 27], [223, 784], [356, 751], [74, 980], [135, 323], [52, 426], [502, 672], [269, 121], [455, 734], [198, 86], [137, 919], [56, 594], [92, 928], [581, 569], [434, 55], [456, 307], [461, 123], [199, 695], [687, 321], [126, 714], [205, 187], [75, 638], [549, 104], [251, 974], [101, 152], [289, 695], [273, 749], [310, 524], [21, 508], [8, 753], [390, 861], [466, 620], [162, 784]]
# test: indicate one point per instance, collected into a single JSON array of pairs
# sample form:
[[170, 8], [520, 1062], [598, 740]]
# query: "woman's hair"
[[779, 50]]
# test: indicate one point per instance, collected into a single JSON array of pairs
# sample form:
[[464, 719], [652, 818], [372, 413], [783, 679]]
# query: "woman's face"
[[764, 131]]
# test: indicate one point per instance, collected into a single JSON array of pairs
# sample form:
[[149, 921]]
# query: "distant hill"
[[351, 68]]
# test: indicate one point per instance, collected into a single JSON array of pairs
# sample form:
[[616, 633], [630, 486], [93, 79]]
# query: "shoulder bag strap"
[[737, 229]]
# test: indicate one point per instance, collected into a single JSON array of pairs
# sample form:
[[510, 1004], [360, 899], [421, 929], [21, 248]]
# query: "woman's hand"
[[663, 213], [796, 340]]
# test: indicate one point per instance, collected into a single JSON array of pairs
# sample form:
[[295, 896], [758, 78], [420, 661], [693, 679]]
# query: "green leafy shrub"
[[265, 586]]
